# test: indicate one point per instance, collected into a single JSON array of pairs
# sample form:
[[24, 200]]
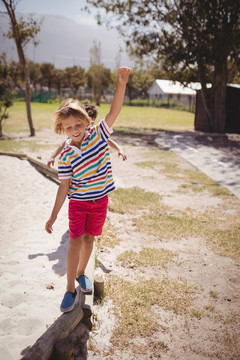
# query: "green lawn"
[[131, 116]]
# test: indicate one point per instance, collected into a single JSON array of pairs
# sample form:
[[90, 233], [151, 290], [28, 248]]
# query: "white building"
[[173, 90]]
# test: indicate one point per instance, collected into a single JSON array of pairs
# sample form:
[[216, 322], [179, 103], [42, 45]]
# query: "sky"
[[68, 41], [67, 8]]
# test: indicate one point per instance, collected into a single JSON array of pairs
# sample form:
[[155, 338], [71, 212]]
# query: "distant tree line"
[[73, 80]]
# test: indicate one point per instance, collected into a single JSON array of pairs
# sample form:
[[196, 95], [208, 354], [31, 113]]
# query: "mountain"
[[63, 42]]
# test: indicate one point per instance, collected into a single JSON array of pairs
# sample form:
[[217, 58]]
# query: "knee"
[[74, 243], [88, 238]]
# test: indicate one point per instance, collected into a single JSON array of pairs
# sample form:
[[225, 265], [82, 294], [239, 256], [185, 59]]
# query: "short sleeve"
[[64, 172], [64, 167], [104, 130]]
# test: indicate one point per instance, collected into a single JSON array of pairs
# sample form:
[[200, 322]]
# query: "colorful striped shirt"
[[89, 167]]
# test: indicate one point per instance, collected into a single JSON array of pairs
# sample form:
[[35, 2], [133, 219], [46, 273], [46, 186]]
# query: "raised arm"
[[123, 76]]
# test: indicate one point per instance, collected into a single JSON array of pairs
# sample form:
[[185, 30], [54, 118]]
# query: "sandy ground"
[[31, 260]]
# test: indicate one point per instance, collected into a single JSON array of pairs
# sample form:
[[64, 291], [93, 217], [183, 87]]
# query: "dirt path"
[[213, 331], [209, 326]]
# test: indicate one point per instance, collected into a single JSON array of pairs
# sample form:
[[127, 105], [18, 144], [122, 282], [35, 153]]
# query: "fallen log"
[[18, 155], [60, 329], [39, 165]]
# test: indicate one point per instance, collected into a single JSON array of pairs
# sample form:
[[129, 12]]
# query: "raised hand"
[[123, 74]]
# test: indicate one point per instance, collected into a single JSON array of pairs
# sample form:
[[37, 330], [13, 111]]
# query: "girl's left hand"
[[123, 74]]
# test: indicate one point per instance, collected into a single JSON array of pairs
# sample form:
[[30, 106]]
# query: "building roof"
[[169, 87], [175, 87]]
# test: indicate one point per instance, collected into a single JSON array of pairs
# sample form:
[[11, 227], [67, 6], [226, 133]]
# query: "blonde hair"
[[70, 107]]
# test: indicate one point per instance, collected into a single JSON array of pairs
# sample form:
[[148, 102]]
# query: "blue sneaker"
[[85, 284], [70, 299]]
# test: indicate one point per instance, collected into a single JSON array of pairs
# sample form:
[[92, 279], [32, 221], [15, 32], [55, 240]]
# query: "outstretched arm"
[[60, 198], [115, 146], [123, 76], [56, 153]]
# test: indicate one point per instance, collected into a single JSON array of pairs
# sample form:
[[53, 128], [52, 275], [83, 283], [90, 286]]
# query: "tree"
[[5, 95], [17, 75], [47, 74], [22, 32], [193, 39], [75, 77], [59, 78], [34, 73], [99, 77]]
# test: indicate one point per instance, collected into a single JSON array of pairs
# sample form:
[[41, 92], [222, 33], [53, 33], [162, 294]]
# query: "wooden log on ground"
[[41, 167], [64, 350], [18, 155], [60, 329]]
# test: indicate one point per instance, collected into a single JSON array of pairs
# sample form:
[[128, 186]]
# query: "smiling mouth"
[[77, 135]]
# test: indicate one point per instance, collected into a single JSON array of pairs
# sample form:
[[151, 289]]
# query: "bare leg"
[[85, 253], [72, 261]]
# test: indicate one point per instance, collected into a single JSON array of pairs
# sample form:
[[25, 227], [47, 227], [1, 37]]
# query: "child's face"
[[74, 128]]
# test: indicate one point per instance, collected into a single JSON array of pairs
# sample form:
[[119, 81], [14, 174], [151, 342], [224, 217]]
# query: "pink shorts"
[[87, 217]]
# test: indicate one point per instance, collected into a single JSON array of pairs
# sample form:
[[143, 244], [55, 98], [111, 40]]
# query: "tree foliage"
[[22, 31], [5, 95], [193, 39], [98, 76], [75, 77]]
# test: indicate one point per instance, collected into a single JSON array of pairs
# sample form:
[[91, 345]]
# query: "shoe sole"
[[86, 290], [76, 301]]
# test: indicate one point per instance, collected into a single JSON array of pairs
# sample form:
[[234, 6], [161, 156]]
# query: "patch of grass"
[[132, 200], [153, 217], [162, 155], [227, 240], [170, 225], [157, 118], [196, 313], [41, 115], [10, 146], [135, 302], [184, 188], [147, 257], [194, 179], [130, 116], [171, 170], [18, 145], [209, 308], [147, 163]]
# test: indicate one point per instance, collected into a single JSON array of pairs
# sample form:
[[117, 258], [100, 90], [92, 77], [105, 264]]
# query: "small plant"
[[213, 294]]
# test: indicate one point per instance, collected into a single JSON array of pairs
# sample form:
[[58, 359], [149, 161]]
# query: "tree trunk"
[[214, 99], [28, 100], [205, 95], [219, 97], [17, 38], [1, 128]]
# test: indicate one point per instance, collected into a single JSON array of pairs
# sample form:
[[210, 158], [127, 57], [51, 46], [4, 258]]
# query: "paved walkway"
[[218, 165]]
